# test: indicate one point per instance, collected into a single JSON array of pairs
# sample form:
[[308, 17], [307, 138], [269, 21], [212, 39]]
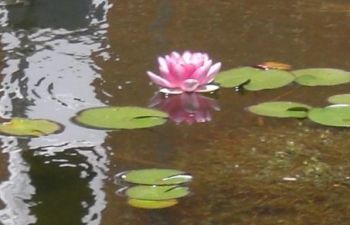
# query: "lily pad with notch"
[[155, 176], [254, 79], [280, 109], [157, 193], [127, 117], [29, 127], [321, 76], [333, 115]]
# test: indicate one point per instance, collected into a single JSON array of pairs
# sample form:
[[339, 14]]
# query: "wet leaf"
[[274, 65], [321, 77], [254, 79], [334, 115], [120, 117], [155, 176], [156, 193], [280, 109], [149, 204], [30, 127], [340, 99]]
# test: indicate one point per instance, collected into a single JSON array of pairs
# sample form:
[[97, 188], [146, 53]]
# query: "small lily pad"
[[149, 204], [29, 127], [155, 176], [128, 117], [334, 115], [340, 99], [321, 76], [281, 109], [157, 193], [254, 79]]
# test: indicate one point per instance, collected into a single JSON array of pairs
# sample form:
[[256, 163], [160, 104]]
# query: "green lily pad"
[[321, 76], [340, 99], [157, 193], [268, 79], [335, 115], [128, 117], [280, 109], [254, 79], [156, 176], [149, 204], [29, 127], [234, 77]]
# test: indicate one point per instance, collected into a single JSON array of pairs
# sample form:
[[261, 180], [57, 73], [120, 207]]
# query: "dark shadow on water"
[[53, 14], [61, 181]]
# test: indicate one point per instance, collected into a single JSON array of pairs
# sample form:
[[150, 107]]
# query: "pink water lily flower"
[[189, 72]]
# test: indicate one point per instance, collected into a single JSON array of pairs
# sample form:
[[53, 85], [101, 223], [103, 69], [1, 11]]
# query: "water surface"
[[59, 58]]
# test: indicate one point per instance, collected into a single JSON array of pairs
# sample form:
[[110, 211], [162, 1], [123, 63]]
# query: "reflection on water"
[[186, 108], [47, 74]]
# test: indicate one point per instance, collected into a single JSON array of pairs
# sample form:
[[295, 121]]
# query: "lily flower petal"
[[163, 66], [212, 72], [158, 80]]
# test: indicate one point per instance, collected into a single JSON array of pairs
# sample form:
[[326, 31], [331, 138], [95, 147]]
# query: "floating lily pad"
[[157, 193], [155, 176], [254, 79], [268, 79], [340, 99], [120, 117], [149, 204], [321, 77], [30, 127], [335, 115], [234, 77], [280, 109]]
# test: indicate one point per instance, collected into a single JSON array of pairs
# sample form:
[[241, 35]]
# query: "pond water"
[[62, 56]]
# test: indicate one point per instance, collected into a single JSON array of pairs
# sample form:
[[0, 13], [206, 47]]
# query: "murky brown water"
[[247, 169]]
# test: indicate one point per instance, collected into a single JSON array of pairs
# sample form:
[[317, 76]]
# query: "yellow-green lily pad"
[[334, 115], [155, 176], [128, 117], [29, 127], [280, 109], [340, 99], [321, 76], [149, 204], [157, 193]]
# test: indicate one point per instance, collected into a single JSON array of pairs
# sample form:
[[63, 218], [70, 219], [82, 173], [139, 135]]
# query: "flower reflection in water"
[[186, 108]]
